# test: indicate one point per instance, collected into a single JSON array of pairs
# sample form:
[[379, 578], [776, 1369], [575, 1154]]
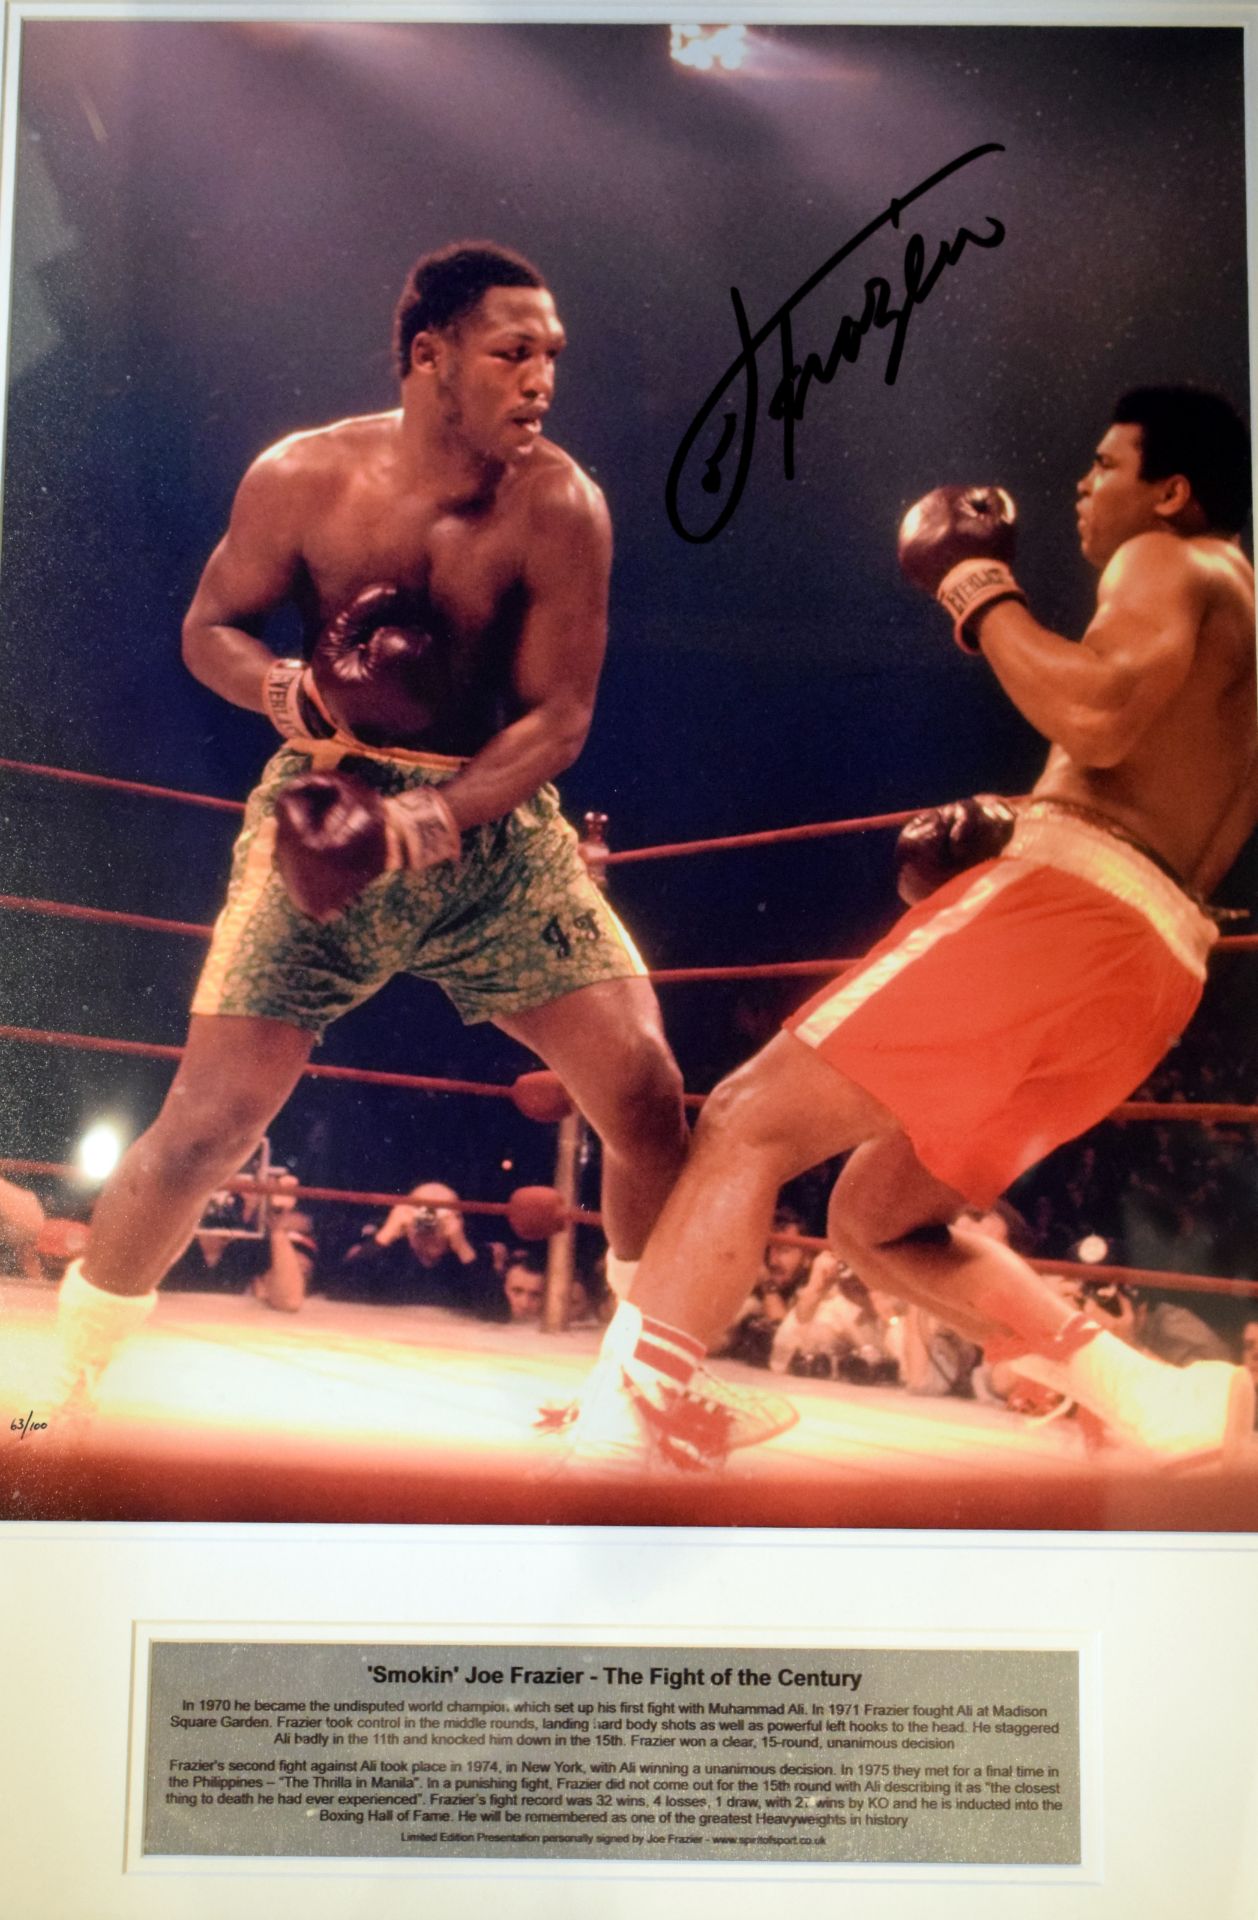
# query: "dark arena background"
[[211, 222]]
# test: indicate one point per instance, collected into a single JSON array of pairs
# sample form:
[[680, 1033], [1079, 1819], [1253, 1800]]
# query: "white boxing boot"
[[1200, 1414], [91, 1326], [647, 1407]]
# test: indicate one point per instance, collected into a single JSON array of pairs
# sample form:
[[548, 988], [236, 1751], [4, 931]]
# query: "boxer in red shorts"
[[1012, 987], [1023, 999]]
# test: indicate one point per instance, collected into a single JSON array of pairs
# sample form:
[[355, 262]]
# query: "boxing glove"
[[379, 670], [335, 835], [943, 841], [957, 543], [378, 674]]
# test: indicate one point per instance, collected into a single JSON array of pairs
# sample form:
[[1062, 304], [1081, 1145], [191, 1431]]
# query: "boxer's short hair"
[[1201, 435], [443, 287]]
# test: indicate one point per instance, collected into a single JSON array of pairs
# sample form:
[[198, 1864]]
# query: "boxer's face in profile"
[[496, 372], [1114, 502]]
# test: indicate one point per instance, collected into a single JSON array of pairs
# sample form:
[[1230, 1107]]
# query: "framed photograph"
[[424, 427]]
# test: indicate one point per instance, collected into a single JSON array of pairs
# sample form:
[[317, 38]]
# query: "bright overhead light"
[[1092, 1249], [706, 48], [99, 1151]]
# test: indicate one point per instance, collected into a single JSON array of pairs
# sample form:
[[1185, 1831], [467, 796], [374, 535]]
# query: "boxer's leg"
[[606, 1042], [890, 1219], [781, 1113], [898, 1227], [235, 1075]]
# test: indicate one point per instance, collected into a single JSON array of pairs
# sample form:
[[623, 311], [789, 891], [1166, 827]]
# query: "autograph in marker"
[[738, 429]]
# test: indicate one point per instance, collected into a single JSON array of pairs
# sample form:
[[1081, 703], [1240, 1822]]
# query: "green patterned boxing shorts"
[[518, 922]]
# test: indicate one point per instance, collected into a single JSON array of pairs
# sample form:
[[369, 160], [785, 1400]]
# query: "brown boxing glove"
[[380, 669], [335, 835], [943, 841], [957, 544]]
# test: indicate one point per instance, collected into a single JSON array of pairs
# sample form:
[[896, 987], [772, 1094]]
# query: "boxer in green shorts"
[[449, 566], [517, 923]]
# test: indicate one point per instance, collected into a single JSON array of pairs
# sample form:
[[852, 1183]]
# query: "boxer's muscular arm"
[[249, 574], [559, 655], [1096, 699]]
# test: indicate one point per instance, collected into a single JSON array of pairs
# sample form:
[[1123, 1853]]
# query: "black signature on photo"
[[786, 403]]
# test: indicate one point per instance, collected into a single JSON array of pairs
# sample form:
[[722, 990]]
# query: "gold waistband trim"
[[1047, 838], [324, 755]]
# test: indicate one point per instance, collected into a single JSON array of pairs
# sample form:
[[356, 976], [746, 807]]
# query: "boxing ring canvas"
[[206, 218]]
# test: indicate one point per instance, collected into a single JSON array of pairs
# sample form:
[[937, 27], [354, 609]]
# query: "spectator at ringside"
[[783, 1271], [21, 1221], [524, 1287], [421, 1256], [835, 1328], [277, 1267], [294, 1252], [1166, 1328]]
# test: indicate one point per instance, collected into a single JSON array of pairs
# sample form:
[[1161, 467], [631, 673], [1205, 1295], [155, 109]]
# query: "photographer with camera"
[[421, 1256], [242, 1246], [835, 1329], [1163, 1327]]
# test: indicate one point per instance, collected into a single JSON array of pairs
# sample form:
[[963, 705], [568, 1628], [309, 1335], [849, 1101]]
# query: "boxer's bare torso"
[[1151, 718], [1187, 785], [342, 507], [458, 493]]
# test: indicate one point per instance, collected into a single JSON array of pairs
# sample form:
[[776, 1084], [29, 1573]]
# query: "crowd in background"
[[1172, 1197]]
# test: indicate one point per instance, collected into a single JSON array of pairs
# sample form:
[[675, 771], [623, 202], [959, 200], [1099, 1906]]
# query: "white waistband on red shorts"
[[1047, 836]]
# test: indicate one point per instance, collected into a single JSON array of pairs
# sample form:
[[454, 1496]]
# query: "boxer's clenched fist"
[[943, 841], [957, 544], [335, 835], [379, 674]]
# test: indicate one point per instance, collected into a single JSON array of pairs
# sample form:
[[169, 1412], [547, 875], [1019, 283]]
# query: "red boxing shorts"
[[1019, 1004]]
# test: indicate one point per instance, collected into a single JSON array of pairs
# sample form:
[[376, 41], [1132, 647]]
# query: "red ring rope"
[[664, 976], [770, 837], [124, 786], [151, 1050], [1204, 1114], [244, 1183], [63, 910]]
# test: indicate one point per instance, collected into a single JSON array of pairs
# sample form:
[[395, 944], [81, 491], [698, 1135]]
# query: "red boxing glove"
[[943, 841], [957, 543], [379, 671], [335, 835]]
